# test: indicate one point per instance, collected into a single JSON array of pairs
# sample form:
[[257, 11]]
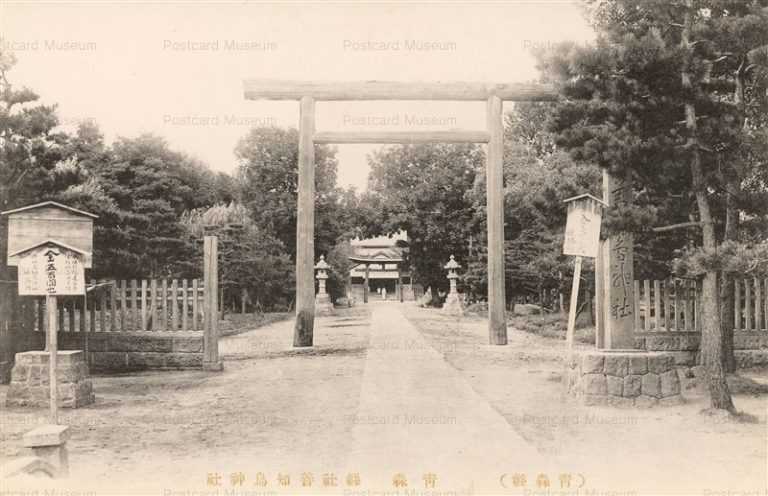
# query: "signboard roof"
[[585, 195], [46, 242], [50, 221], [50, 204]]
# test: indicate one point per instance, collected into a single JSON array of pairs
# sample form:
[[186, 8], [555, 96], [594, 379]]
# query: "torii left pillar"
[[305, 228]]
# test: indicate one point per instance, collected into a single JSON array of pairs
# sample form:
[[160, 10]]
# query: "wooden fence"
[[121, 306], [674, 305], [751, 305]]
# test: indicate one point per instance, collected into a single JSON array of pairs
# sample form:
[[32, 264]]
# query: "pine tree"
[[650, 100]]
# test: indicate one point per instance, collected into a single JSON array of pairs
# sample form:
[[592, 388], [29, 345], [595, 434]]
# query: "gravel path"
[[418, 416]]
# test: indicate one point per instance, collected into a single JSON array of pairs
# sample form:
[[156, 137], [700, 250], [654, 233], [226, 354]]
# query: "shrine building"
[[381, 265]]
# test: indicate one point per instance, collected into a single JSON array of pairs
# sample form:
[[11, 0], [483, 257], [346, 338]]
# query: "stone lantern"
[[323, 304], [453, 304]]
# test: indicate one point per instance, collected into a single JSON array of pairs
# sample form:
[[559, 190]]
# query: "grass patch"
[[238, 323], [552, 325]]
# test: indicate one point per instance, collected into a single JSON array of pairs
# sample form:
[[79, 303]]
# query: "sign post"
[[52, 245], [53, 349], [582, 238], [51, 269]]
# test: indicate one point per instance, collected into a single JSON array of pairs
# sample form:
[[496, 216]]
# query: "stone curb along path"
[[417, 416]]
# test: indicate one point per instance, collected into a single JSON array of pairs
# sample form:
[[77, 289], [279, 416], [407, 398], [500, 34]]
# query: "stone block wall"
[[131, 351], [30, 384], [750, 348], [631, 379]]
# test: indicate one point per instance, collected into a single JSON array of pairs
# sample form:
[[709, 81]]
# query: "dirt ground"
[[272, 409], [276, 410], [670, 450]]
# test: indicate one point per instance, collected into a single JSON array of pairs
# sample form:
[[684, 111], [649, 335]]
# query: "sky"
[[176, 69]]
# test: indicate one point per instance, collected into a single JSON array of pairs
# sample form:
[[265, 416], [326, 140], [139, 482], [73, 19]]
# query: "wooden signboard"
[[34, 224], [51, 269], [582, 239], [52, 245], [582, 227]]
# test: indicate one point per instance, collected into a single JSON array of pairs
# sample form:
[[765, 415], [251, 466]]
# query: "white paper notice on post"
[[582, 230]]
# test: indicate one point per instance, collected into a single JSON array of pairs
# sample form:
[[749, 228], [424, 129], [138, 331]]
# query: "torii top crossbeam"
[[275, 89]]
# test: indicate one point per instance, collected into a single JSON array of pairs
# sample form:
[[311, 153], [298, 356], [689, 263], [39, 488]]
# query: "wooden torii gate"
[[307, 93]]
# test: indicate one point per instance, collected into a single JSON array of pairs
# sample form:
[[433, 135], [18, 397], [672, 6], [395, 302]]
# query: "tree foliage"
[[669, 96], [268, 175], [252, 263], [423, 189]]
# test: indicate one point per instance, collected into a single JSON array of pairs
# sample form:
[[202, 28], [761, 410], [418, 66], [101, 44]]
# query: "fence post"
[[736, 304], [92, 308], [184, 306], [195, 298], [677, 304], [667, 305], [657, 304], [113, 306], [758, 306], [164, 305], [211, 359], [636, 304], [123, 304], [134, 305], [174, 305], [102, 307]]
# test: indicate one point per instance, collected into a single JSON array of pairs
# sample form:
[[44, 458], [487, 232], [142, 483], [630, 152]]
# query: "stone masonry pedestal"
[[323, 305], [30, 380], [453, 305], [624, 378]]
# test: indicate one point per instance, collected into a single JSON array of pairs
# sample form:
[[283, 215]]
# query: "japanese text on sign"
[[51, 270]]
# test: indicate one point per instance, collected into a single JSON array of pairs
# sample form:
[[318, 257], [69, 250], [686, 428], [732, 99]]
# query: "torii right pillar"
[[614, 275]]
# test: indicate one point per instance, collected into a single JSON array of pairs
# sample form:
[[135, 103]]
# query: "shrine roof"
[[381, 241]]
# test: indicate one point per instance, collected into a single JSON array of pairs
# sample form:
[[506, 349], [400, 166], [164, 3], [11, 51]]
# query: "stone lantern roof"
[[322, 264], [452, 264]]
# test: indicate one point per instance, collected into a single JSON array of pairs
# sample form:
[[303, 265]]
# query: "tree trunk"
[[711, 346], [711, 329], [727, 302]]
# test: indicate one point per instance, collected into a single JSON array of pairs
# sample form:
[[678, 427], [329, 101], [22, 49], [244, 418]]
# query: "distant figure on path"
[[383, 293]]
